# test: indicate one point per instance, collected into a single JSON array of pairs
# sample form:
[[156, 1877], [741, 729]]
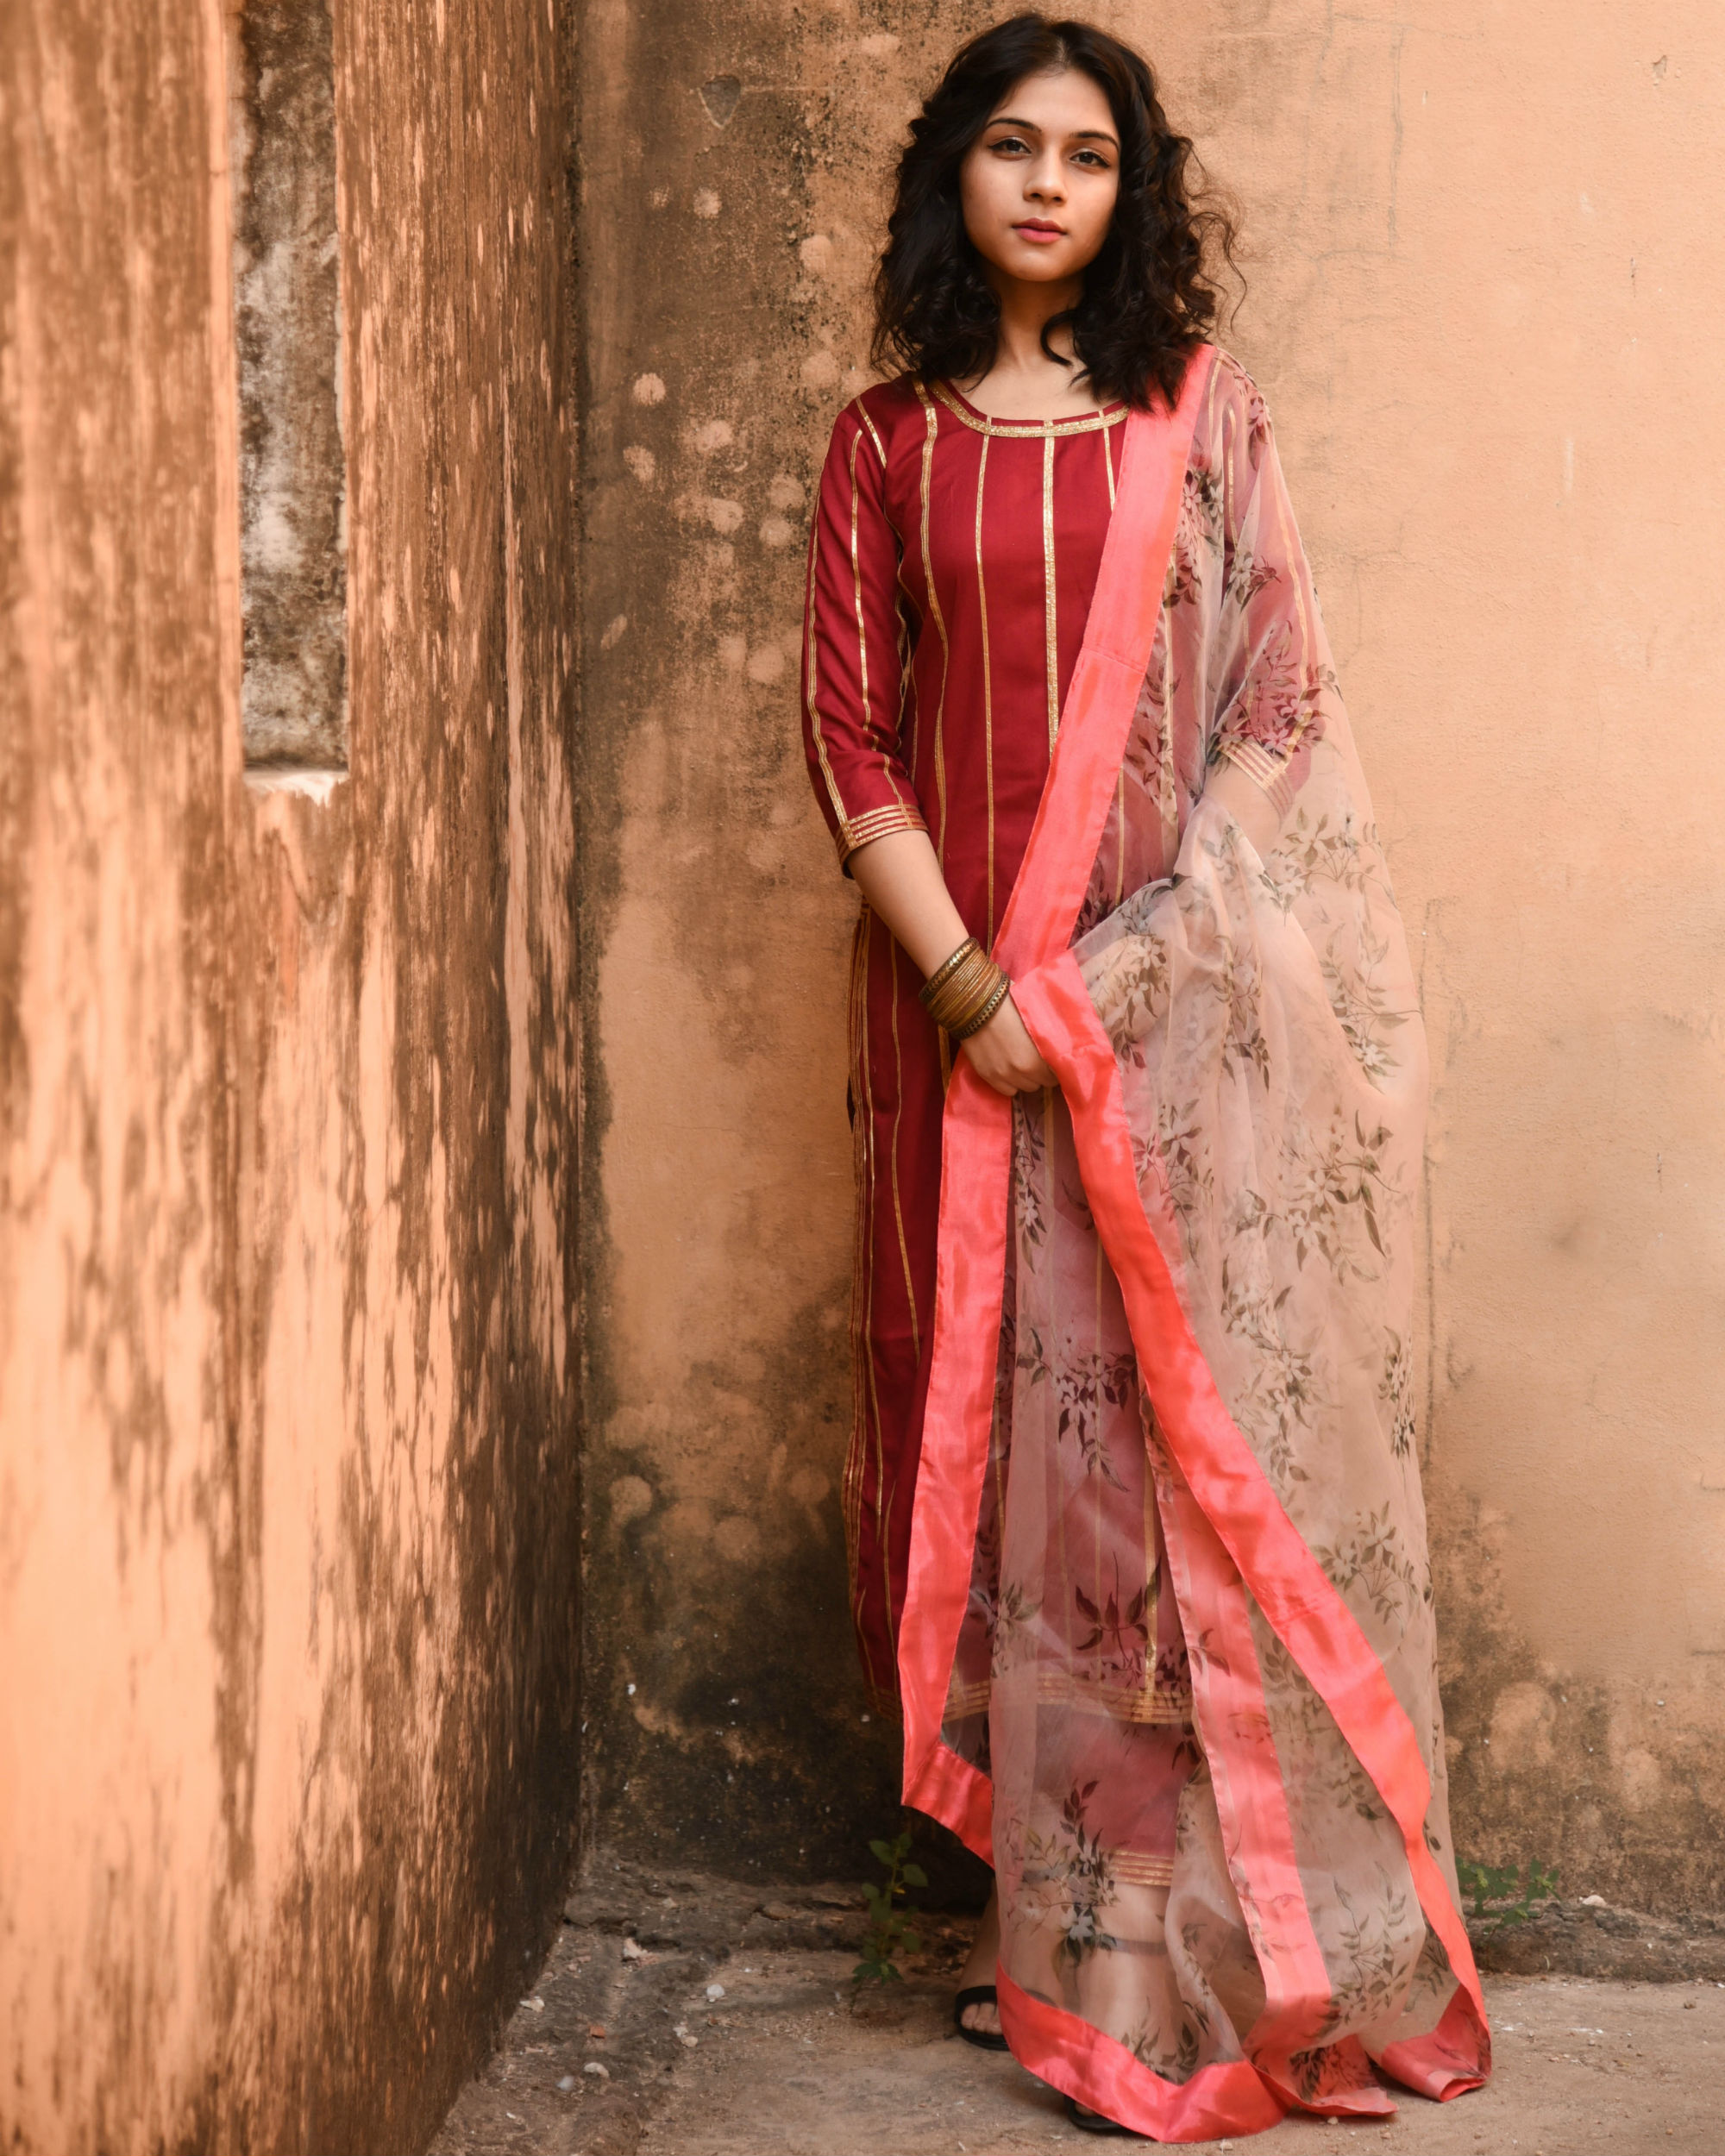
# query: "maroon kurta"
[[951, 565]]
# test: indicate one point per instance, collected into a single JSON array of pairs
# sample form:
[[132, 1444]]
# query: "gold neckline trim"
[[1026, 429]]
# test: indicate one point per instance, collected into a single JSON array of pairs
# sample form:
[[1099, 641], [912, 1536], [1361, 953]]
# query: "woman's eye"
[[1009, 142], [1091, 157]]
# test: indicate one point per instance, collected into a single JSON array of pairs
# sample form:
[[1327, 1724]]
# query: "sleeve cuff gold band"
[[1267, 772], [862, 830]]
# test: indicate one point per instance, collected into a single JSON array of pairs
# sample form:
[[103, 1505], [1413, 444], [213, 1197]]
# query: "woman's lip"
[[1044, 232]]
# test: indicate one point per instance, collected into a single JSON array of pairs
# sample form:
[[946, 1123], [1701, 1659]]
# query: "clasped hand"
[[1004, 1056], [900, 877]]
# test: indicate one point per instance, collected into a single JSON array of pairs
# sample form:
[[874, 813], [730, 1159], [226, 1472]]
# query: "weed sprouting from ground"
[[1506, 1893], [890, 1928]]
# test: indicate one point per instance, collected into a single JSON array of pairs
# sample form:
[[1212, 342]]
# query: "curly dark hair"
[[1150, 296]]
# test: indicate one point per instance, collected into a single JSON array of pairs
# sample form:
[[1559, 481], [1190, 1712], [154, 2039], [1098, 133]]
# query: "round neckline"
[[992, 423]]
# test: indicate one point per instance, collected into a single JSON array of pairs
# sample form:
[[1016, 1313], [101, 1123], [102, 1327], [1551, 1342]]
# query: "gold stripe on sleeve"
[[861, 410], [933, 419], [907, 695], [861, 630], [810, 684]]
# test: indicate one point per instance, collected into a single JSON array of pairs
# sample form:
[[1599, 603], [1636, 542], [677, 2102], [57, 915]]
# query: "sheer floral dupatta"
[[1167, 1654]]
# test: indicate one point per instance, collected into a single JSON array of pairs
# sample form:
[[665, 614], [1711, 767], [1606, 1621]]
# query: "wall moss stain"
[[1618, 1790]]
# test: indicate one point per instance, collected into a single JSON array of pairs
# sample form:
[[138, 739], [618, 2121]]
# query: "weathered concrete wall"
[[726, 1718], [287, 1093], [1485, 307]]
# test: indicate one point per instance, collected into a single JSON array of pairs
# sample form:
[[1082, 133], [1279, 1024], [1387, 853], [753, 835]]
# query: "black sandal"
[[1091, 2121], [983, 2038]]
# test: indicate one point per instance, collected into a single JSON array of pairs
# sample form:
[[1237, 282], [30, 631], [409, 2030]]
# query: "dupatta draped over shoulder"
[[1166, 1649]]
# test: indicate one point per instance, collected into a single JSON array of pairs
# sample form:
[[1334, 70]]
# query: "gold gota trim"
[[1030, 430], [856, 1449], [867, 1395], [1048, 590], [861, 830], [1255, 761], [856, 581], [1057, 1688], [965, 1700], [932, 430], [1131, 1867], [811, 684], [987, 685], [1267, 772], [1122, 1702], [898, 1120], [861, 412]]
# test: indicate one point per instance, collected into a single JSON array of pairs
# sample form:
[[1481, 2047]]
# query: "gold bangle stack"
[[961, 995]]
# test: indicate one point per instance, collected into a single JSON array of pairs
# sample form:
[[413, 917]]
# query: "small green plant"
[[1506, 1893], [890, 1928]]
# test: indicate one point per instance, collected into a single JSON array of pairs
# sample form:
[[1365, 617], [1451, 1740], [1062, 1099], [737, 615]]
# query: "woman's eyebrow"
[[1078, 135]]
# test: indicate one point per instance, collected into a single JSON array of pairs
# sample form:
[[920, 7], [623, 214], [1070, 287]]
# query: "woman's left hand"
[[1004, 1056]]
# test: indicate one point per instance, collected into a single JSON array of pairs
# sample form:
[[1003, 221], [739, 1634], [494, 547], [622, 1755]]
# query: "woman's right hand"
[[900, 875], [1003, 1054]]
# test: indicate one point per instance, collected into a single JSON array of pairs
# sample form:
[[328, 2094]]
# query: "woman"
[[1135, 1528]]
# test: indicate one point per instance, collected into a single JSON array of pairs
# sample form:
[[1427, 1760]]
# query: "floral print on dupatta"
[[1196, 1867]]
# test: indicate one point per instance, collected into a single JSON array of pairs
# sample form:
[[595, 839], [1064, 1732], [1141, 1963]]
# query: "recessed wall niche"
[[288, 332]]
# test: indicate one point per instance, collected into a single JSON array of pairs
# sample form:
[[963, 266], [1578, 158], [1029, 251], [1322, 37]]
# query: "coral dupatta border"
[[976, 1135], [1297, 1597], [1069, 2054]]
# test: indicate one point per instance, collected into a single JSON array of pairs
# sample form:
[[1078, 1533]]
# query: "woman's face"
[[1038, 186]]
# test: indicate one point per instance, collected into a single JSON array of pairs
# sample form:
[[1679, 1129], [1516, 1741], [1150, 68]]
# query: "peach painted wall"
[[1485, 307], [287, 1118]]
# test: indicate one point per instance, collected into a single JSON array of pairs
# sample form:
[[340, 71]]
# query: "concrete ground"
[[693, 2017]]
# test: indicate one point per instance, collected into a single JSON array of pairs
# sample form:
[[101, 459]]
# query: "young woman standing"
[[1133, 1514]]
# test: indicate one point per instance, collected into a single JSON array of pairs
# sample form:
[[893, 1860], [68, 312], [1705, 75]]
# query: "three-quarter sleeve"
[[1273, 672], [852, 631]]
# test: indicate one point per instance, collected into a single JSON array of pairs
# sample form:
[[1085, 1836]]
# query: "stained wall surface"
[[287, 1114], [1485, 308]]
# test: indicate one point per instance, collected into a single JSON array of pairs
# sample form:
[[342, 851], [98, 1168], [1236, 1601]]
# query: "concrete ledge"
[[1591, 1939]]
